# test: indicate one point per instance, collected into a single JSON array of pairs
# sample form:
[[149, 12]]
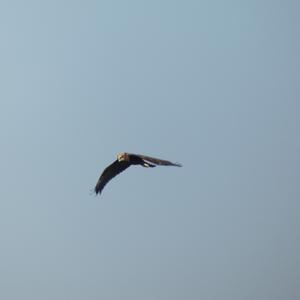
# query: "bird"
[[125, 160]]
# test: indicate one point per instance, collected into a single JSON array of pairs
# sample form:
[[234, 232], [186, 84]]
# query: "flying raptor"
[[125, 160]]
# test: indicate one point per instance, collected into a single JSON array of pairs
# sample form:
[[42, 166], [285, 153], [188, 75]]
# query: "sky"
[[213, 85]]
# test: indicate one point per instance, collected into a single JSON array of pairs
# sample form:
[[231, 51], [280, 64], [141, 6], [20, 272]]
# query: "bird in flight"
[[125, 160]]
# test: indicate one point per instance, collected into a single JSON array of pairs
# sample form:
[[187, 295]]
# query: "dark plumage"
[[125, 160]]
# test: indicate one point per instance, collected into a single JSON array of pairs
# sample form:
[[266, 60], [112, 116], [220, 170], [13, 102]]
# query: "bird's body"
[[125, 160]]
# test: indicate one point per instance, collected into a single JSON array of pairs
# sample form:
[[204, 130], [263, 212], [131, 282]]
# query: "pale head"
[[123, 156]]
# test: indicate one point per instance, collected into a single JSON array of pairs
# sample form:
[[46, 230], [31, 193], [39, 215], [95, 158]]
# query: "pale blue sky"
[[211, 84]]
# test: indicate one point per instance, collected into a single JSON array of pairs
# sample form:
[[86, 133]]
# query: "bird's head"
[[122, 156]]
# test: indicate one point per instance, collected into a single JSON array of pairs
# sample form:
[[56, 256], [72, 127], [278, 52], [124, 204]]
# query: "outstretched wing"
[[110, 172], [158, 161]]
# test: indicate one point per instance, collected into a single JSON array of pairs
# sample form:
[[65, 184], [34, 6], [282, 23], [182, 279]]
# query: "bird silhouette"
[[125, 160]]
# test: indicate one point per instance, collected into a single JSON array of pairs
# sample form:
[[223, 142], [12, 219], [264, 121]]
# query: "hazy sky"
[[214, 85]]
